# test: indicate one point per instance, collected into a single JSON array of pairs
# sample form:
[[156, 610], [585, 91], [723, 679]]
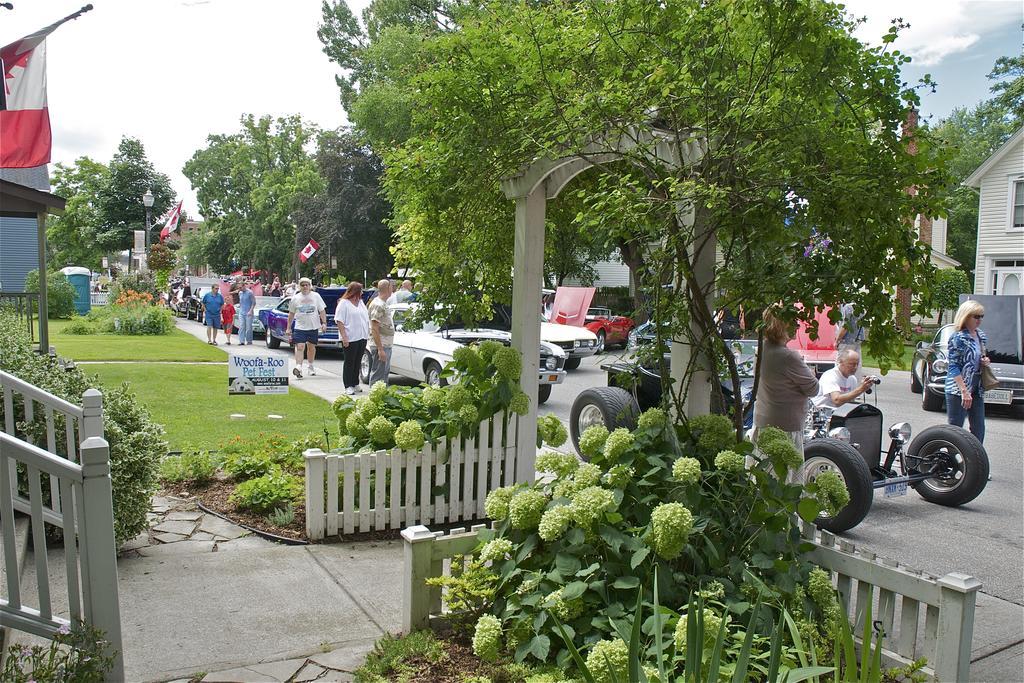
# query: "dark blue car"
[[275, 320]]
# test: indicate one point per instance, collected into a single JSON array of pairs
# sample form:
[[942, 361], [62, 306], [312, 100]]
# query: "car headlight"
[[900, 431], [551, 363], [577, 343], [940, 365], [841, 433]]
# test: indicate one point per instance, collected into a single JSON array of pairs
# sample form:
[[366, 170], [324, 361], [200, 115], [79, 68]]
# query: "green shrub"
[[78, 654], [136, 442], [135, 281], [141, 320], [582, 541], [60, 294], [254, 457], [273, 490], [194, 466], [282, 516], [79, 325]]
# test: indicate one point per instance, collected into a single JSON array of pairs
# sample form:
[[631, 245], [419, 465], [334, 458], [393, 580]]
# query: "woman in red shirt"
[[227, 316]]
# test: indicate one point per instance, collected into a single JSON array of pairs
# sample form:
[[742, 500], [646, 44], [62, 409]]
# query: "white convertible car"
[[421, 355]]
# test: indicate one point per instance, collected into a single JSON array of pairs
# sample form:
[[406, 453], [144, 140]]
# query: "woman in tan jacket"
[[785, 385]]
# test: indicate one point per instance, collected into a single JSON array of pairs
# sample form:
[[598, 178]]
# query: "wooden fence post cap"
[[415, 534], [92, 397], [313, 453], [960, 582]]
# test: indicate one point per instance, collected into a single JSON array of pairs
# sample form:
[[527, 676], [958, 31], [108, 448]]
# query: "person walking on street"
[[405, 292], [227, 317], [212, 303], [307, 320], [850, 332], [786, 382], [965, 397], [382, 334], [246, 310], [353, 323], [275, 287]]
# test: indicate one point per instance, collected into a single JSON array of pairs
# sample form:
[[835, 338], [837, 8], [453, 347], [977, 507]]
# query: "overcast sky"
[[171, 72]]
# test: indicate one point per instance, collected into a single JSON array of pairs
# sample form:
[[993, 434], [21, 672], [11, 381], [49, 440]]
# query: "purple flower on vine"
[[819, 243]]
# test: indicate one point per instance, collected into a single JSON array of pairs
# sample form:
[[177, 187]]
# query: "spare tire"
[[958, 460], [837, 456], [611, 406]]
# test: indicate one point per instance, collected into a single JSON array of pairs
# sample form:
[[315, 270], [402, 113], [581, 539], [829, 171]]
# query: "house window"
[[1018, 204]]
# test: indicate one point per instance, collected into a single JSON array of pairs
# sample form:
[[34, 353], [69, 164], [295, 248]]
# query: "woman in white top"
[[353, 322]]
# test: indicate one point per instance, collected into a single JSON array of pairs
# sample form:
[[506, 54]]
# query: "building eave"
[[974, 180]]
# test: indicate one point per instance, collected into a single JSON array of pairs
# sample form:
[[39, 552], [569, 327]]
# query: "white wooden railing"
[[98, 298], [897, 595], [446, 482], [77, 472]]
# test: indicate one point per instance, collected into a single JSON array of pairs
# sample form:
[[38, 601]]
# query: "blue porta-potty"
[[80, 279]]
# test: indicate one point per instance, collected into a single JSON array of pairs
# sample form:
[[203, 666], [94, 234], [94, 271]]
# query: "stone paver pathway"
[[336, 665], [177, 525]]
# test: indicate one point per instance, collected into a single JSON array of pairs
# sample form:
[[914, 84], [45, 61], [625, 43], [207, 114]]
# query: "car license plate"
[[1000, 396], [895, 490]]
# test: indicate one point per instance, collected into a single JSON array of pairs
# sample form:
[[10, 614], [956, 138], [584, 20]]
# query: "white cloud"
[[937, 29]]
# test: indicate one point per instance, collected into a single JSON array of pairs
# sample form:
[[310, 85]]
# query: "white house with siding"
[[999, 268]]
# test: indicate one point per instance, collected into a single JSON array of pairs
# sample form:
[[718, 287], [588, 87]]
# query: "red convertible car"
[[610, 329]]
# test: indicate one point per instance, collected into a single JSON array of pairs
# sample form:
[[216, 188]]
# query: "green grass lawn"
[[176, 346], [192, 403]]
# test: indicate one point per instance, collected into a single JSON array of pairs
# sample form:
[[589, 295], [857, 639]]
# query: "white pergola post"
[[702, 255], [528, 276]]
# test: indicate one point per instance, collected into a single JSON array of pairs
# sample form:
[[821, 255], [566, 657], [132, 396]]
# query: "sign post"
[[251, 375]]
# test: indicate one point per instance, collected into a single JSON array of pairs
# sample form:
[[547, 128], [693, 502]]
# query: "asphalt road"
[[984, 538]]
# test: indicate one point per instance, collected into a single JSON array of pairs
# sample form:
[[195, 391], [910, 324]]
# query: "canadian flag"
[[308, 251], [172, 222], [24, 118]]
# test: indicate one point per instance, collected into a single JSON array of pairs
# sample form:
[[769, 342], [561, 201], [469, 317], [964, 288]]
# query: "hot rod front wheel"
[[956, 460], [832, 455], [609, 406]]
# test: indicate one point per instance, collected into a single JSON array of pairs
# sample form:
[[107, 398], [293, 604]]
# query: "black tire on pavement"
[[272, 341], [838, 456], [613, 406], [432, 374], [957, 454], [572, 363], [931, 401], [601, 341], [543, 393], [915, 383]]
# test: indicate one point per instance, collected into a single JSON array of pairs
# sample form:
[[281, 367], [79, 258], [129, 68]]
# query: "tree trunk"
[[633, 258]]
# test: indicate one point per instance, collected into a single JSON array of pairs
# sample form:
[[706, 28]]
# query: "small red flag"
[[172, 221], [308, 251]]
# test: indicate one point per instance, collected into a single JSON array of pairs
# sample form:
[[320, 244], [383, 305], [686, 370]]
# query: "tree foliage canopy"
[[71, 236], [798, 126], [121, 209], [248, 184]]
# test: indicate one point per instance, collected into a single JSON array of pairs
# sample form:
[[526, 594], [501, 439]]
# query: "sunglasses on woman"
[[977, 317]]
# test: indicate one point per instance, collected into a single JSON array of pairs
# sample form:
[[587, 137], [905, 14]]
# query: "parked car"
[[275, 320], [610, 329], [1004, 318], [263, 303], [423, 354], [577, 342]]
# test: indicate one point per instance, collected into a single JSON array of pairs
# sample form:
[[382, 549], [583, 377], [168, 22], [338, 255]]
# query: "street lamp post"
[[147, 201]]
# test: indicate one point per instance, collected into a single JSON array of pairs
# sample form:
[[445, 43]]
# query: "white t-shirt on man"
[[306, 308], [833, 381]]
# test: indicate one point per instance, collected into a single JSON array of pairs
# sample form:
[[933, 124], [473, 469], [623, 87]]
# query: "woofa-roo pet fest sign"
[[257, 375]]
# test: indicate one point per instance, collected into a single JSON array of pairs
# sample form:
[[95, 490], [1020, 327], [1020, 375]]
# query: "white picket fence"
[[897, 596], [393, 489], [80, 503]]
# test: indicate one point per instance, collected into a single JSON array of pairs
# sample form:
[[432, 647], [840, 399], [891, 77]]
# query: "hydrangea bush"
[[481, 381], [714, 517]]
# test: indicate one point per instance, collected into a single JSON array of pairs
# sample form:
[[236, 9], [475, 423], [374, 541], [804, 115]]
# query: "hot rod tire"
[[543, 393], [572, 363], [364, 368], [611, 406], [955, 451], [272, 341], [821, 455], [930, 401]]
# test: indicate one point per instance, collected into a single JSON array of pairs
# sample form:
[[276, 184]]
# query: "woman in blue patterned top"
[[964, 395]]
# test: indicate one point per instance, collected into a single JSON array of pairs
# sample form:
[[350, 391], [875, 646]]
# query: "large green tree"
[[797, 123], [248, 184], [119, 199], [348, 218], [72, 236]]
